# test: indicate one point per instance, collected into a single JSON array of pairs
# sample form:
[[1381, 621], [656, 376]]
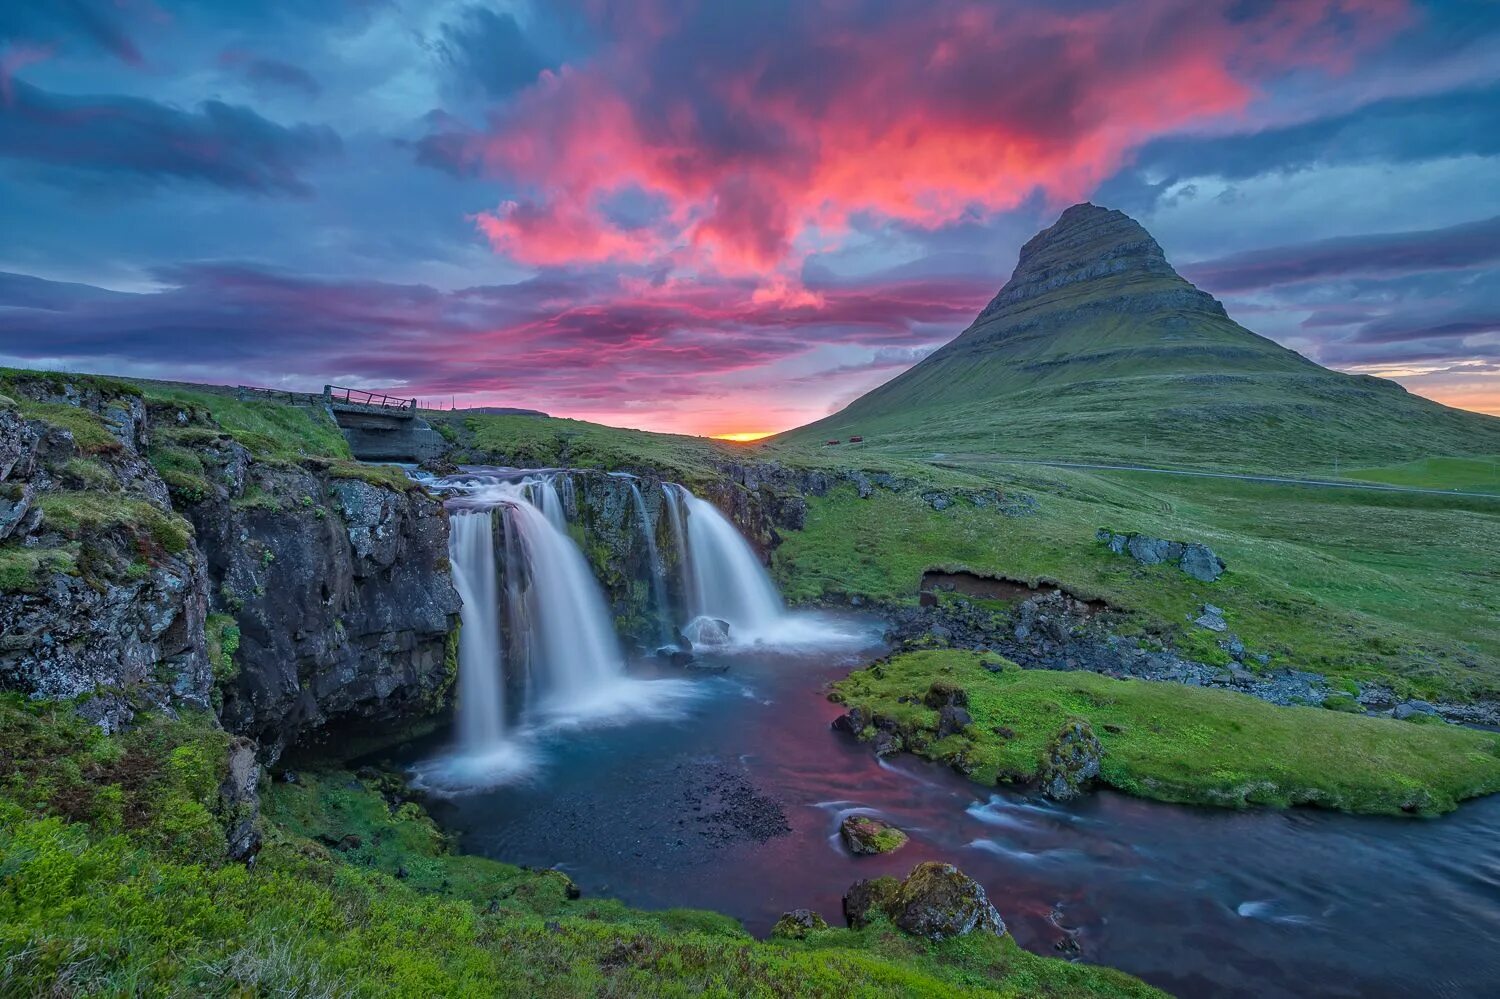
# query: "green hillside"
[[1097, 350]]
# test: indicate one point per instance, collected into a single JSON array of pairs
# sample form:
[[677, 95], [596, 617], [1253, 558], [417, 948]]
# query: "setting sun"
[[743, 436]]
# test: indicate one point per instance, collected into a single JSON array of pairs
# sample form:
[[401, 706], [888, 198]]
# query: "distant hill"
[[1097, 349]]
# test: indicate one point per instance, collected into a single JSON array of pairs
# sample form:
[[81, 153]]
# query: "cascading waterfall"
[[543, 493], [658, 579], [723, 578], [481, 708], [574, 654]]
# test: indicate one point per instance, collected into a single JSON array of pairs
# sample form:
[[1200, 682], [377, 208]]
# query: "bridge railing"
[[372, 400]]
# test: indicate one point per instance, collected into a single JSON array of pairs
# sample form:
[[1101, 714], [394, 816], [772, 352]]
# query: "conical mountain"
[[1097, 349]]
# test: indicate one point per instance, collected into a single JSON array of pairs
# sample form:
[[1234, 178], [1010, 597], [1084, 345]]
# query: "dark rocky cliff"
[[103, 595], [335, 577]]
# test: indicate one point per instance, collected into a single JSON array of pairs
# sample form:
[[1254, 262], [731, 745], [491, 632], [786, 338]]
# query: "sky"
[[714, 217]]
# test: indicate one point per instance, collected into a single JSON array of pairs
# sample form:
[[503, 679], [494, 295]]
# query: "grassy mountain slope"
[[1097, 350]]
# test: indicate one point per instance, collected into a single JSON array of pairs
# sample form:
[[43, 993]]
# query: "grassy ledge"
[[1180, 744], [113, 882]]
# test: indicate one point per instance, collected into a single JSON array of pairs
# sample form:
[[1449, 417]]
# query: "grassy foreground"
[[113, 882], [1182, 744]]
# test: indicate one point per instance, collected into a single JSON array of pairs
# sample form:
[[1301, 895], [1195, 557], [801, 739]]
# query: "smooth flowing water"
[[688, 812], [725, 580], [471, 547]]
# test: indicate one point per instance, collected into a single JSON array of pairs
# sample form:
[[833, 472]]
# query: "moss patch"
[[1183, 744]]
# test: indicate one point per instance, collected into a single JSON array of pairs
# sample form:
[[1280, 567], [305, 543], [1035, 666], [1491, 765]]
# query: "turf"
[[1474, 475], [1184, 744]]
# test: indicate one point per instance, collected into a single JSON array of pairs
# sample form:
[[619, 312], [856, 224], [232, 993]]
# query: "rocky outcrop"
[[1054, 630], [335, 576], [340, 588], [1197, 560], [935, 902], [103, 595]]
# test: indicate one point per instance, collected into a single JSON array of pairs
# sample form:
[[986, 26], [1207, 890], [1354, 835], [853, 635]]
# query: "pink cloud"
[[760, 137]]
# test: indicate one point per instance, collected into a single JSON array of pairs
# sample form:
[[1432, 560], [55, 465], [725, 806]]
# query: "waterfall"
[[725, 579], [658, 581], [481, 709], [673, 495], [543, 493]]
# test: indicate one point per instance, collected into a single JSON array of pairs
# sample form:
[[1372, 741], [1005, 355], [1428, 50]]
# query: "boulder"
[[867, 900], [1196, 559], [1200, 562], [952, 720], [710, 631], [865, 834], [798, 923], [1070, 761], [1407, 709], [942, 694], [935, 902], [1212, 618]]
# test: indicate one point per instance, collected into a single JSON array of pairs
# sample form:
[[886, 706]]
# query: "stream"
[[729, 796]]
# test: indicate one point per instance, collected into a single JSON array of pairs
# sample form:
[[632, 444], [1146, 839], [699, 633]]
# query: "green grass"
[[23, 570], [539, 440], [267, 428], [112, 882], [1184, 744], [80, 514], [1475, 475], [1401, 588], [88, 430]]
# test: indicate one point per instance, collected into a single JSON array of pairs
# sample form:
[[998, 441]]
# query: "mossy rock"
[[797, 924], [865, 834]]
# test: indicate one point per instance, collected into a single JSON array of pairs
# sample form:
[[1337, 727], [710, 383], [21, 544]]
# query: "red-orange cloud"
[[763, 133]]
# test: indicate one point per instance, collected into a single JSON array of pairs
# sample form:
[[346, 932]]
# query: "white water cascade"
[[723, 578], [481, 705], [543, 493], [575, 657]]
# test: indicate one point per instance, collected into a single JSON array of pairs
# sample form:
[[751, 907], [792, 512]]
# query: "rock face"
[[341, 591], [338, 587], [103, 595], [1070, 761], [1197, 560], [865, 835], [935, 901]]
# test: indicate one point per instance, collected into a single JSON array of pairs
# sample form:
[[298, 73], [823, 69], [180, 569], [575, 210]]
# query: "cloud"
[[766, 132], [270, 74], [1455, 247], [486, 50], [1464, 122], [90, 25], [220, 144], [579, 343]]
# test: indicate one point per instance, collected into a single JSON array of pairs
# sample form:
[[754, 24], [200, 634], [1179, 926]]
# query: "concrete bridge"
[[381, 427]]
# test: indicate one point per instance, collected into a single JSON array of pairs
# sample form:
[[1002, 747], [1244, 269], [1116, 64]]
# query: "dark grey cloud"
[[220, 144], [270, 74], [1467, 245], [488, 51]]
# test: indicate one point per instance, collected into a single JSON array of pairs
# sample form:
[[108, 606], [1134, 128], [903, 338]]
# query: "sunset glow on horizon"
[[670, 214]]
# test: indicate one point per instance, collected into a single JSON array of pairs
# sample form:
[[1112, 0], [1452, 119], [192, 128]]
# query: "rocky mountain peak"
[[1086, 243]]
